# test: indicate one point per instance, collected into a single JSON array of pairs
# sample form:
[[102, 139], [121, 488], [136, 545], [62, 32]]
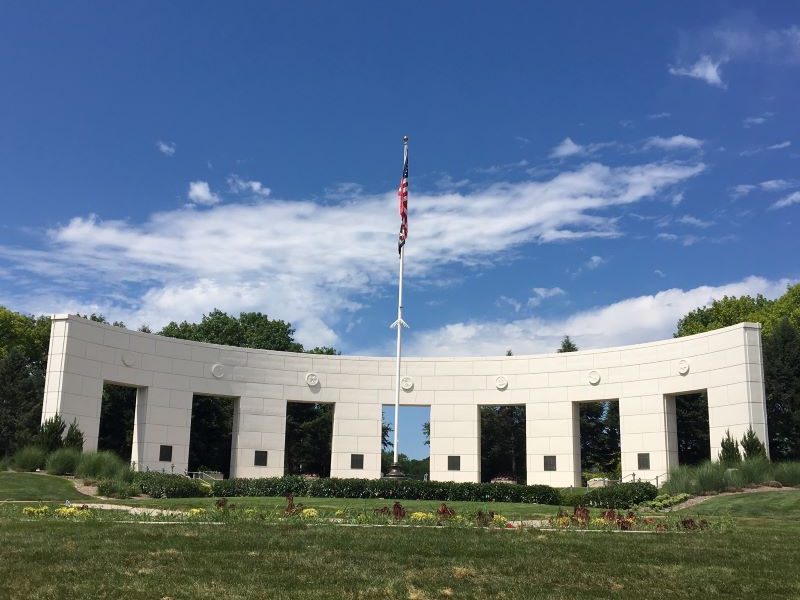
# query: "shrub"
[[29, 458], [167, 485], [51, 434], [5, 463], [572, 496], [623, 495], [407, 489], [711, 477], [116, 488], [729, 451], [752, 447], [787, 473], [755, 470], [63, 461], [74, 437], [101, 465]]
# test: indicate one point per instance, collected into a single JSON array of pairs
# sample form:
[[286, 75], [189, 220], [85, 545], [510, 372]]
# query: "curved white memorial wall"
[[644, 378]]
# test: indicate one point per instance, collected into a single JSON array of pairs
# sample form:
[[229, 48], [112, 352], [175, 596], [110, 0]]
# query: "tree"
[[117, 413], [567, 345], [74, 438], [426, 431], [51, 434], [211, 434], [503, 442], [729, 450], [309, 433], [694, 442], [752, 447]]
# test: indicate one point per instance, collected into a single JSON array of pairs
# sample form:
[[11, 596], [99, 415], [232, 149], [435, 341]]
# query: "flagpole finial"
[[405, 139]]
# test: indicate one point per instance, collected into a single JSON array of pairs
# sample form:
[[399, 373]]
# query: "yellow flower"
[[309, 513], [338, 513], [35, 511], [66, 511], [422, 517], [499, 520], [195, 512]]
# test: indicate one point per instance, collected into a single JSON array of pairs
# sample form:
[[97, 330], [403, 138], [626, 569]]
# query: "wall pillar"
[[163, 418], [553, 433], [455, 432], [259, 424], [356, 430], [645, 430]]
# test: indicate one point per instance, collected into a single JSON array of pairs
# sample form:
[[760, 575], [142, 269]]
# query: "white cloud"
[[673, 143], [757, 150], [314, 264], [661, 115], [757, 120], [677, 199], [594, 262], [773, 185], [238, 185], [166, 148], [793, 198], [512, 302], [742, 190], [660, 273], [667, 236], [566, 148], [540, 294], [694, 221], [779, 145], [706, 69], [504, 167], [200, 193], [629, 321]]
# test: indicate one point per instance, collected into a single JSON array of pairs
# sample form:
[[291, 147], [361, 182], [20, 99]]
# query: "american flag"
[[402, 194]]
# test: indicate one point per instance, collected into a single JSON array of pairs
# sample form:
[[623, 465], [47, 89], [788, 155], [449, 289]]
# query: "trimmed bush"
[[167, 485], [407, 489], [115, 488], [29, 458], [572, 496], [623, 495], [101, 465], [63, 462]]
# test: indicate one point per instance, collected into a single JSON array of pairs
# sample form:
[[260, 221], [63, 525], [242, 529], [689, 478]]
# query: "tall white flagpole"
[[399, 324]]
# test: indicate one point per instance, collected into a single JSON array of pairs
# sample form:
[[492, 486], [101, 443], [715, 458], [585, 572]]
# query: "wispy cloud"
[[503, 167], [695, 222], [628, 321], [166, 148], [756, 120], [594, 262], [566, 148], [237, 185], [661, 115], [676, 142], [200, 193], [759, 149], [793, 198], [706, 69], [541, 294], [282, 257]]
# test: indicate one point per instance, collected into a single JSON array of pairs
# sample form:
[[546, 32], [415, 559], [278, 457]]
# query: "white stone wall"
[[644, 379]]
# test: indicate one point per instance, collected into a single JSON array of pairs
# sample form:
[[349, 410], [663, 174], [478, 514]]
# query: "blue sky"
[[582, 168]]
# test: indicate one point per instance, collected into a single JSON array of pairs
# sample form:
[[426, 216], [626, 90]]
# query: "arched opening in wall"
[[413, 440], [691, 416], [211, 434], [601, 455], [117, 412], [309, 435], [503, 443]]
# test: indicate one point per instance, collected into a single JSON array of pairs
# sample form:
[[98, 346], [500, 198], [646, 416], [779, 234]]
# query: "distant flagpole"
[[402, 194]]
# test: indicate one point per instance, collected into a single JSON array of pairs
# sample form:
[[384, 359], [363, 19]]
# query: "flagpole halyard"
[[395, 471]]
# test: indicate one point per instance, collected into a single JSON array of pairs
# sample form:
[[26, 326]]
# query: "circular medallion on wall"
[[594, 377], [406, 383], [501, 382], [128, 359], [312, 379], [218, 370], [683, 366]]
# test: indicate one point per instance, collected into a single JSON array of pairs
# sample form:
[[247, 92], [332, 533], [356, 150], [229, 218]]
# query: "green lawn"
[[780, 504], [53, 559], [37, 486]]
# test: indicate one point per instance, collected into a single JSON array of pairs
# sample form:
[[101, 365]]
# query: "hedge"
[[167, 485], [404, 489], [622, 495]]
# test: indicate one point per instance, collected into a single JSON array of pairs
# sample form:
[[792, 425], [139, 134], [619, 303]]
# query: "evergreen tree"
[[752, 447], [567, 345], [782, 385], [51, 434], [729, 454], [74, 438]]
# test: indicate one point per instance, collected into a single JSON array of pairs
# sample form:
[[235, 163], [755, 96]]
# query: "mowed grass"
[[37, 486], [112, 560], [780, 504]]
